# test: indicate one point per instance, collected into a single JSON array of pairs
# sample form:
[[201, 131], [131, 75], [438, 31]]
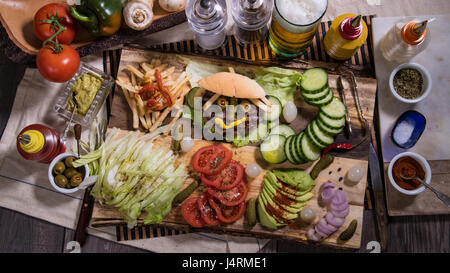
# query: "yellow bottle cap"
[[34, 141]]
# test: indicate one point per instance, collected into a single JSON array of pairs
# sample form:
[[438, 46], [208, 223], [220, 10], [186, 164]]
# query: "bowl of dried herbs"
[[410, 82]]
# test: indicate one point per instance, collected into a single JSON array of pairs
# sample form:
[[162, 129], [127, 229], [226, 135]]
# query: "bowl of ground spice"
[[409, 164], [410, 82]]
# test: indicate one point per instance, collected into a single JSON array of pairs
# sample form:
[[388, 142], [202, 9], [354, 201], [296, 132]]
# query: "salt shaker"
[[251, 18], [207, 18]]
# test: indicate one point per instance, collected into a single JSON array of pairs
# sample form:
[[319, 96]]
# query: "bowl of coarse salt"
[[408, 129]]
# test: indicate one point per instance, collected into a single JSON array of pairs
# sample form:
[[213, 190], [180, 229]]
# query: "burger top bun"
[[232, 85]]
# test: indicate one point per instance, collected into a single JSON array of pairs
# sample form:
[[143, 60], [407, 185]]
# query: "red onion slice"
[[334, 221], [341, 214], [327, 185], [311, 235], [328, 195], [325, 227], [338, 207], [339, 198], [320, 232]]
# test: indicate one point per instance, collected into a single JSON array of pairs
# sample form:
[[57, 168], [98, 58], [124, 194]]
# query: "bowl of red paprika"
[[409, 164]]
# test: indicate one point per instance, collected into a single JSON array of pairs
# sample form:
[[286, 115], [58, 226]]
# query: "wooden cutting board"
[[433, 143], [121, 118], [17, 18]]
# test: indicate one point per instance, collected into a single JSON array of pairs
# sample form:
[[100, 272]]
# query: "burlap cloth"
[[24, 186]]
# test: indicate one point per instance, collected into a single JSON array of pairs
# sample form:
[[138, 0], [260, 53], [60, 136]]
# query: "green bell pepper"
[[99, 17]]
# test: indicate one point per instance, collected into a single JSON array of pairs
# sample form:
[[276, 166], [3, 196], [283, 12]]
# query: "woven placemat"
[[232, 49]]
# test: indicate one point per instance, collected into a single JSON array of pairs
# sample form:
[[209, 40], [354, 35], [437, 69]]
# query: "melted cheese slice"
[[220, 122]]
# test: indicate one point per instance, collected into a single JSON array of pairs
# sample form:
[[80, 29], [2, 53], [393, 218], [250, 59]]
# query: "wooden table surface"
[[21, 233]]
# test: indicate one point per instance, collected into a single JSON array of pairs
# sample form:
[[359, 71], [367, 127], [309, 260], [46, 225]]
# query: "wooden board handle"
[[380, 211], [83, 220]]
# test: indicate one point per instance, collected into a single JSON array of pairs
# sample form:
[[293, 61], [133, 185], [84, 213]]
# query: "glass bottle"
[[39, 143], [405, 39], [207, 18], [251, 18]]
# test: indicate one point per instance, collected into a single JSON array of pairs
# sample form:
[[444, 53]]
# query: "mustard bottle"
[[346, 35]]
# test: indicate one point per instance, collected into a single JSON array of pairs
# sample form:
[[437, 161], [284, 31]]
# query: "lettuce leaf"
[[278, 82]]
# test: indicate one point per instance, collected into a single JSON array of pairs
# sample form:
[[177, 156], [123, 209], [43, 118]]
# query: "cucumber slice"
[[272, 149], [323, 101], [295, 153], [311, 152], [332, 123], [191, 95], [327, 130], [335, 109], [314, 139], [287, 149], [277, 108], [323, 138], [316, 96], [314, 80], [282, 129], [298, 148]]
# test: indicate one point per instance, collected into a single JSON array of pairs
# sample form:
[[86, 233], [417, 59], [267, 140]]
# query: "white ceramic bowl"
[[426, 88], [423, 162], [52, 179]]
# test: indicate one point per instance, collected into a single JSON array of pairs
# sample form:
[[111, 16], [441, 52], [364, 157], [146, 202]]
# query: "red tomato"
[[206, 212], [191, 212], [227, 214], [58, 67], [44, 30], [210, 160], [228, 177], [230, 197]]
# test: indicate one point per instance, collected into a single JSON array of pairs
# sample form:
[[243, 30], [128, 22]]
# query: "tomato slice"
[[206, 212], [210, 160], [228, 177], [231, 197], [191, 212], [227, 214]]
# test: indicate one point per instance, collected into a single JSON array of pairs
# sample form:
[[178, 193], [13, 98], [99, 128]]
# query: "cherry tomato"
[[58, 67], [210, 160], [191, 212], [206, 212], [227, 214], [44, 30], [230, 197], [228, 177]]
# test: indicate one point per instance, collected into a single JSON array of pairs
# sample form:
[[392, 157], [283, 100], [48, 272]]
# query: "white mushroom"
[[138, 14], [172, 5]]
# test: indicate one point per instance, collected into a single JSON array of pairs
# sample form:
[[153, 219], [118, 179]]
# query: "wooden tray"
[[432, 144], [17, 18], [121, 118]]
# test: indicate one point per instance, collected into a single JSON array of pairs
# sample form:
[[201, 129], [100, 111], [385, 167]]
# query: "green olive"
[[246, 106], [69, 160], [76, 180], [233, 101], [69, 172], [222, 102], [61, 181], [59, 168]]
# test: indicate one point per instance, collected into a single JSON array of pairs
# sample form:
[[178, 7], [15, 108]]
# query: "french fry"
[[177, 88], [133, 70], [132, 105], [143, 121], [148, 119], [133, 79], [210, 101], [127, 86], [231, 69], [161, 118], [168, 72]]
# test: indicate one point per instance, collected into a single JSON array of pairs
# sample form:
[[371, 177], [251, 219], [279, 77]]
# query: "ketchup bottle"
[[39, 143]]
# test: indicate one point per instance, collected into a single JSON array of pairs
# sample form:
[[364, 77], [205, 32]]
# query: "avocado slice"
[[301, 198], [281, 213], [265, 219], [296, 178], [287, 207], [286, 188]]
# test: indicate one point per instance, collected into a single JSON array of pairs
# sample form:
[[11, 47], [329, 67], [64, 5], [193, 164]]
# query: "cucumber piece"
[[258, 134], [311, 152], [295, 151], [277, 108], [316, 96], [326, 129], [298, 147], [332, 123], [314, 139], [287, 149], [282, 129], [322, 137], [323, 101], [335, 109], [314, 80], [272, 149], [190, 96]]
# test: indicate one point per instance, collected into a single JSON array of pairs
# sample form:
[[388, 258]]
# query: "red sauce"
[[407, 166]]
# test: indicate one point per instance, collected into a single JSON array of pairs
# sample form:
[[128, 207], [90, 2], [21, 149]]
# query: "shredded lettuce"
[[134, 176], [278, 82]]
